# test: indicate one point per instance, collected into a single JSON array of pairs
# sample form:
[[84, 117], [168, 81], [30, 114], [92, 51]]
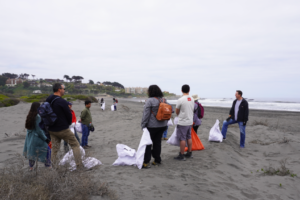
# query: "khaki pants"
[[70, 138]]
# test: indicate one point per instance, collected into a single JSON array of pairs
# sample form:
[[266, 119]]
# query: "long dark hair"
[[30, 120], [154, 91]]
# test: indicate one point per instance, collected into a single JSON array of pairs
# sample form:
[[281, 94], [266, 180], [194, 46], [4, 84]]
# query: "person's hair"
[[87, 102], [154, 91], [30, 120], [56, 87], [185, 88], [240, 92]]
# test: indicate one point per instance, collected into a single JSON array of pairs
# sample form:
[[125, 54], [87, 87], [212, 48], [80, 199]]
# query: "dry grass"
[[283, 141], [17, 182], [125, 108], [280, 171], [261, 122]]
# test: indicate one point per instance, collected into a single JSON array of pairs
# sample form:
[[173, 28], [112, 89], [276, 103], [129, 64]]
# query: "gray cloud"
[[216, 47]]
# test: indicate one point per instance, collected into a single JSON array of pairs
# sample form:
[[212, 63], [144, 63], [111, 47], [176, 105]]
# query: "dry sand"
[[221, 171]]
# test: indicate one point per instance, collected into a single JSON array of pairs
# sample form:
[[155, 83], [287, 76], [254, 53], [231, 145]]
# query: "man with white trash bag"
[[238, 113]]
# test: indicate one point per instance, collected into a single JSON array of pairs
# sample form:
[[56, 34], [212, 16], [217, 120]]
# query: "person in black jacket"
[[60, 129], [239, 113]]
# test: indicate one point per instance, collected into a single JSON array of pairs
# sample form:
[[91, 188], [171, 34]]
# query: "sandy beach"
[[221, 171]]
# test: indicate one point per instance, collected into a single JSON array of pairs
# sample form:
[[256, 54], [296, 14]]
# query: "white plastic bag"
[[174, 140], [112, 108], [215, 134], [78, 127], [127, 155], [176, 120], [72, 127], [103, 106], [88, 162], [170, 123], [145, 140]]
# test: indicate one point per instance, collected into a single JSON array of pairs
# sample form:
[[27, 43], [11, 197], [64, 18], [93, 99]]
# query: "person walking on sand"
[[36, 143], [60, 129], [196, 119], [72, 127], [101, 102], [185, 111], [238, 113], [155, 127], [86, 122]]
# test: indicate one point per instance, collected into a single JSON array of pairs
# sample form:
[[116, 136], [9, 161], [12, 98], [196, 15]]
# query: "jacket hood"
[[51, 98]]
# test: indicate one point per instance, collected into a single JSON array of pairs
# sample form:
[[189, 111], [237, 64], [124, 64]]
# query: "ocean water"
[[259, 104]]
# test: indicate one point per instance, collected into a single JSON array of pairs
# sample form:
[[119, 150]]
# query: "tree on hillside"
[[26, 84], [115, 84], [67, 78], [91, 82], [77, 79], [3, 80], [24, 76], [9, 75], [98, 83], [32, 76]]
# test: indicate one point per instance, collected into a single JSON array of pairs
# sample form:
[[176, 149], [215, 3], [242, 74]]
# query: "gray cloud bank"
[[216, 47]]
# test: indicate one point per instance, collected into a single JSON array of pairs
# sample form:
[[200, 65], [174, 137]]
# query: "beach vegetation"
[[9, 102], [17, 182], [3, 80], [261, 122], [280, 171]]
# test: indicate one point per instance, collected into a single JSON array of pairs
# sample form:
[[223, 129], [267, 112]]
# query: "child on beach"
[[36, 143]]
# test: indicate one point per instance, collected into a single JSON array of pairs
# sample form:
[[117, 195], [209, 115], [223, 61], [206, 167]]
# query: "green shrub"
[[2, 97], [9, 102], [35, 98]]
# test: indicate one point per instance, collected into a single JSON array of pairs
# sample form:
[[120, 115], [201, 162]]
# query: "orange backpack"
[[164, 111]]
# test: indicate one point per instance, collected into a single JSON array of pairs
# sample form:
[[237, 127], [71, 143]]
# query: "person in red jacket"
[[72, 127]]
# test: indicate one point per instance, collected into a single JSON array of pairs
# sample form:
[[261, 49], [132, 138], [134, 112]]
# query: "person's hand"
[[244, 123], [48, 141], [228, 119]]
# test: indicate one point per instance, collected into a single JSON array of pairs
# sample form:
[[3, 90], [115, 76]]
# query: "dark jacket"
[[64, 116], [243, 111]]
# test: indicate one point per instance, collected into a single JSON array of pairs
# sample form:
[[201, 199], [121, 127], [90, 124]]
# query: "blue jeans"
[[165, 133], [242, 130], [85, 135]]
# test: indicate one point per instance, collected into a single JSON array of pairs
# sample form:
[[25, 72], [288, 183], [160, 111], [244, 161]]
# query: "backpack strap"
[[54, 100], [158, 104]]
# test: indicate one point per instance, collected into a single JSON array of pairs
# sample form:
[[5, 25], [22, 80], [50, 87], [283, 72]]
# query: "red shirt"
[[73, 117]]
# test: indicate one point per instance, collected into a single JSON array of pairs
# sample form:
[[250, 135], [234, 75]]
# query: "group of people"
[[37, 144], [187, 109], [115, 103], [43, 145]]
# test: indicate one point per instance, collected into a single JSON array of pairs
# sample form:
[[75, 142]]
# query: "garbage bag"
[[127, 155], [145, 140], [174, 140], [112, 108], [215, 134], [176, 120], [103, 106], [88, 162], [170, 123], [78, 127], [196, 142]]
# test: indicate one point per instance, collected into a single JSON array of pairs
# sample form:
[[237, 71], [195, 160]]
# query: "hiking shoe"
[[188, 155], [146, 165], [180, 157], [165, 138], [88, 146], [85, 147], [156, 163]]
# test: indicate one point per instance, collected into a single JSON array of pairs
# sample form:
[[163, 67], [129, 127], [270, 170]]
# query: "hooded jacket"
[[61, 109], [243, 111]]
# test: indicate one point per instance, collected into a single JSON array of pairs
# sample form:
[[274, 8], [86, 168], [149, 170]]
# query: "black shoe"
[[156, 163], [188, 155], [180, 157]]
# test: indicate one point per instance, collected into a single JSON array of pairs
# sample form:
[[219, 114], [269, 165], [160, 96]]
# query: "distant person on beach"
[[115, 102], [155, 127], [86, 122], [36, 143], [238, 113], [60, 129], [185, 111], [196, 120], [101, 102], [66, 147]]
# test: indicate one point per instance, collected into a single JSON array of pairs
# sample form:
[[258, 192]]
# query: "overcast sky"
[[214, 46]]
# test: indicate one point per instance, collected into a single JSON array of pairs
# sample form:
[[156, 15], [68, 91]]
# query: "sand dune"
[[221, 171]]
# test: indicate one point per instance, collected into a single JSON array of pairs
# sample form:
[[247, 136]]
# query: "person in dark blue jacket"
[[238, 113], [60, 129]]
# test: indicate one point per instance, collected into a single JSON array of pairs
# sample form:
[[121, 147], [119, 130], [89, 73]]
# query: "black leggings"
[[155, 134]]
